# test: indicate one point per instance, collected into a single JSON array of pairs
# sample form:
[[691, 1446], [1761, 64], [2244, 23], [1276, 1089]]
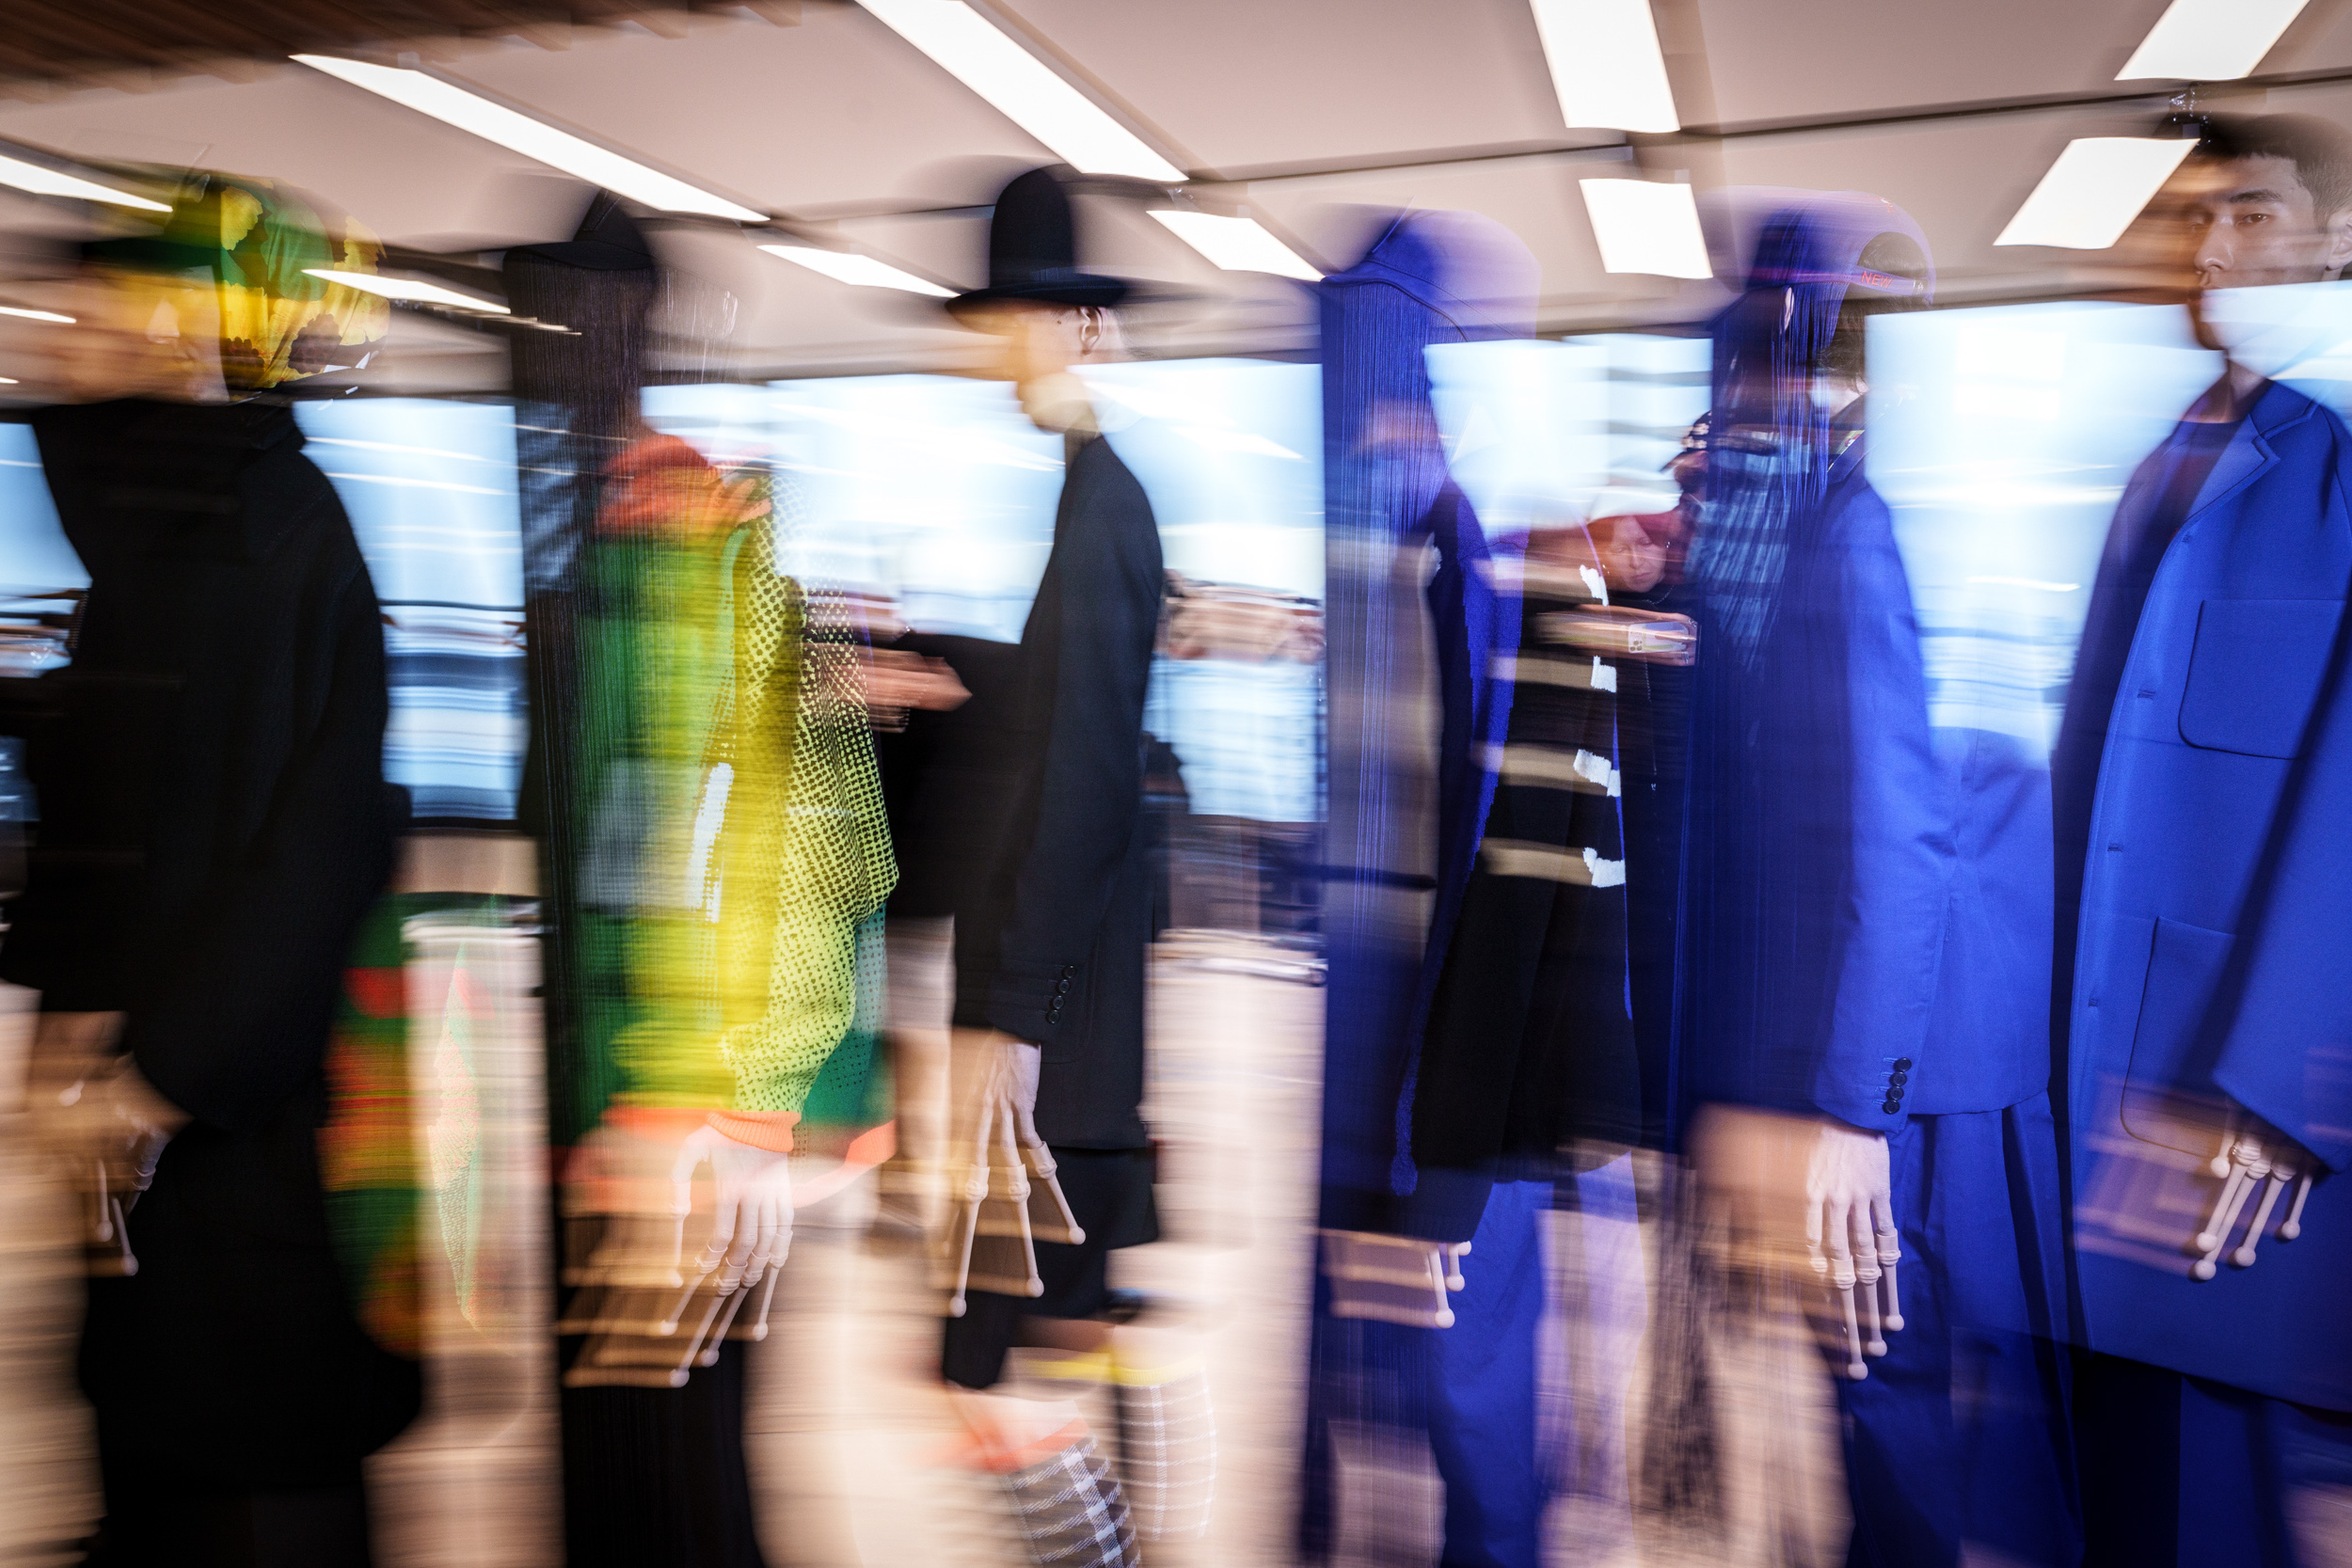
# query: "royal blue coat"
[[1868, 908], [2214, 950]]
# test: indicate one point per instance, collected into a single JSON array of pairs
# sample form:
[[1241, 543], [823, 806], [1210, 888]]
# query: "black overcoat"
[[213, 823], [1051, 937]]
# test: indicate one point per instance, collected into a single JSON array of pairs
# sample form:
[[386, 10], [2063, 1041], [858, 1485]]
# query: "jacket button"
[[1062, 987], [1898, 1078], [1892, 1106], [1902, 1064]]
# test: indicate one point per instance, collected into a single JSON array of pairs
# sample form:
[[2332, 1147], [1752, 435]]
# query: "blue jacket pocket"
[[2168, 1095], [2255, 673]]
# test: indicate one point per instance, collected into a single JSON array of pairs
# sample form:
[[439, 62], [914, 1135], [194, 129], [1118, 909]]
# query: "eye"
[[2248, 219]]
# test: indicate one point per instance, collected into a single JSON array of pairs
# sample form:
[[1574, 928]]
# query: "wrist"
[[768, 1130]]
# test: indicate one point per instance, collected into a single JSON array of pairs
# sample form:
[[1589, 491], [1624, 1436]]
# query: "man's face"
[[138, 336], [2246, 222], [1040, 343]]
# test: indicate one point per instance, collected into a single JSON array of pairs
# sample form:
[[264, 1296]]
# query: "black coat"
[[1052, 932], [214, 823]]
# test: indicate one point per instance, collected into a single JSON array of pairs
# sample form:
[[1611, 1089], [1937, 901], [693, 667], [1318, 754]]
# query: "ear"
[[2338, 228], [1089, 329]]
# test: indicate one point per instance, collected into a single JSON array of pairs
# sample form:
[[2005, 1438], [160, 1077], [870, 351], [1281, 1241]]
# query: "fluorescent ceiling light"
[[533, 138], [48, 182], [2210, 41], [1237, 244], [2094, 190], [7, 381], [862, 271], [1021, 88], [1646, 226], [1606, 65], [35, 315], [406, 288]]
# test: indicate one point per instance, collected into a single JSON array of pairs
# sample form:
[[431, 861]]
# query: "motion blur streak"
[[997, 783]]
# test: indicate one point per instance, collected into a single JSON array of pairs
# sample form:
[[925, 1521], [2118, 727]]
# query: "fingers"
[[1862, 1219], [2226, 1211], [1891, 1313], [1888, 1240], [781, 1247], [1813, 1235], [1007, 1148], [975, 1154], [691, 1157], [2292, 1226], [1836, 1224], [2244, 1256], [1856, 1368], [1865, 1242], [744, 1233]]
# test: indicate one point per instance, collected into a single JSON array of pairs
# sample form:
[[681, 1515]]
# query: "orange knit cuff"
[[662, 1123], [768, 1130]]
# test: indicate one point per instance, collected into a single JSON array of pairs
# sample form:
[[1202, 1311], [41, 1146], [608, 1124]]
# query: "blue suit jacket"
[[2215, 941], [1403, 825], [1869, 897]]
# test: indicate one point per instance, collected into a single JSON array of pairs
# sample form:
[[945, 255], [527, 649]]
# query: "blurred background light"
[[1606, 65], [429, 484], [32, 315], [862, 272], [2094, 190], [2001, 456], [50, 182], [1646, 226], [1238, 244], [1021, 88], [519, 133], [2210, 41], [407, 289]]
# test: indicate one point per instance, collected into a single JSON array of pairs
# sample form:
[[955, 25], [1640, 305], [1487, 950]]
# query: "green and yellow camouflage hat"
[[258, 245]]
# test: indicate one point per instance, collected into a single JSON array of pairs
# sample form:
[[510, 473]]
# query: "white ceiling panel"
[[1243, 83]]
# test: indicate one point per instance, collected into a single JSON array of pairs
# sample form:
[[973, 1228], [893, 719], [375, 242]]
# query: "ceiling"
[[1293, 110]]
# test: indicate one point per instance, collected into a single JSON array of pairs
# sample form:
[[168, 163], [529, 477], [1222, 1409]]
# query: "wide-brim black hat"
[[1033, 250], [608, 240]]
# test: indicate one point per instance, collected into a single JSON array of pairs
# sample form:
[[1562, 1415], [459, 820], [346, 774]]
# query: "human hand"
[[660, 1289], [1002, 1178], [1850, 1235], [102, 1123], [1394, 1279], [2253, 1154], [751, 1210], [899, 681], [1619, 631]]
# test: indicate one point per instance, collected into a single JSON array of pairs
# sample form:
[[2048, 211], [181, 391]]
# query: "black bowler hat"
[[1033, 249]]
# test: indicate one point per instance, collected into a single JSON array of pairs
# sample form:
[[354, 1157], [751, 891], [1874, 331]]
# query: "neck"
[[1058, 403], [2229, 399]]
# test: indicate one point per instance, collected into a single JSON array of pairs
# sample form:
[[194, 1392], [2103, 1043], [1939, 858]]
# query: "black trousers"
[[236, 1392], [657, 1475], [152, 1522]]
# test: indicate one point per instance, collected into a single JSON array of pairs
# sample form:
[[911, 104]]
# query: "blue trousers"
[[1959, 1434], [1483, 1422], [2180, 1470]]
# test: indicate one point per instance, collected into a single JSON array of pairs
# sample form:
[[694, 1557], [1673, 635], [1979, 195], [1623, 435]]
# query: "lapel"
[[2249, 455]]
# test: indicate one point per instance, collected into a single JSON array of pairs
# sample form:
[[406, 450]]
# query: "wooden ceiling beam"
[[87, 40], [201, 26], [73, 39]]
